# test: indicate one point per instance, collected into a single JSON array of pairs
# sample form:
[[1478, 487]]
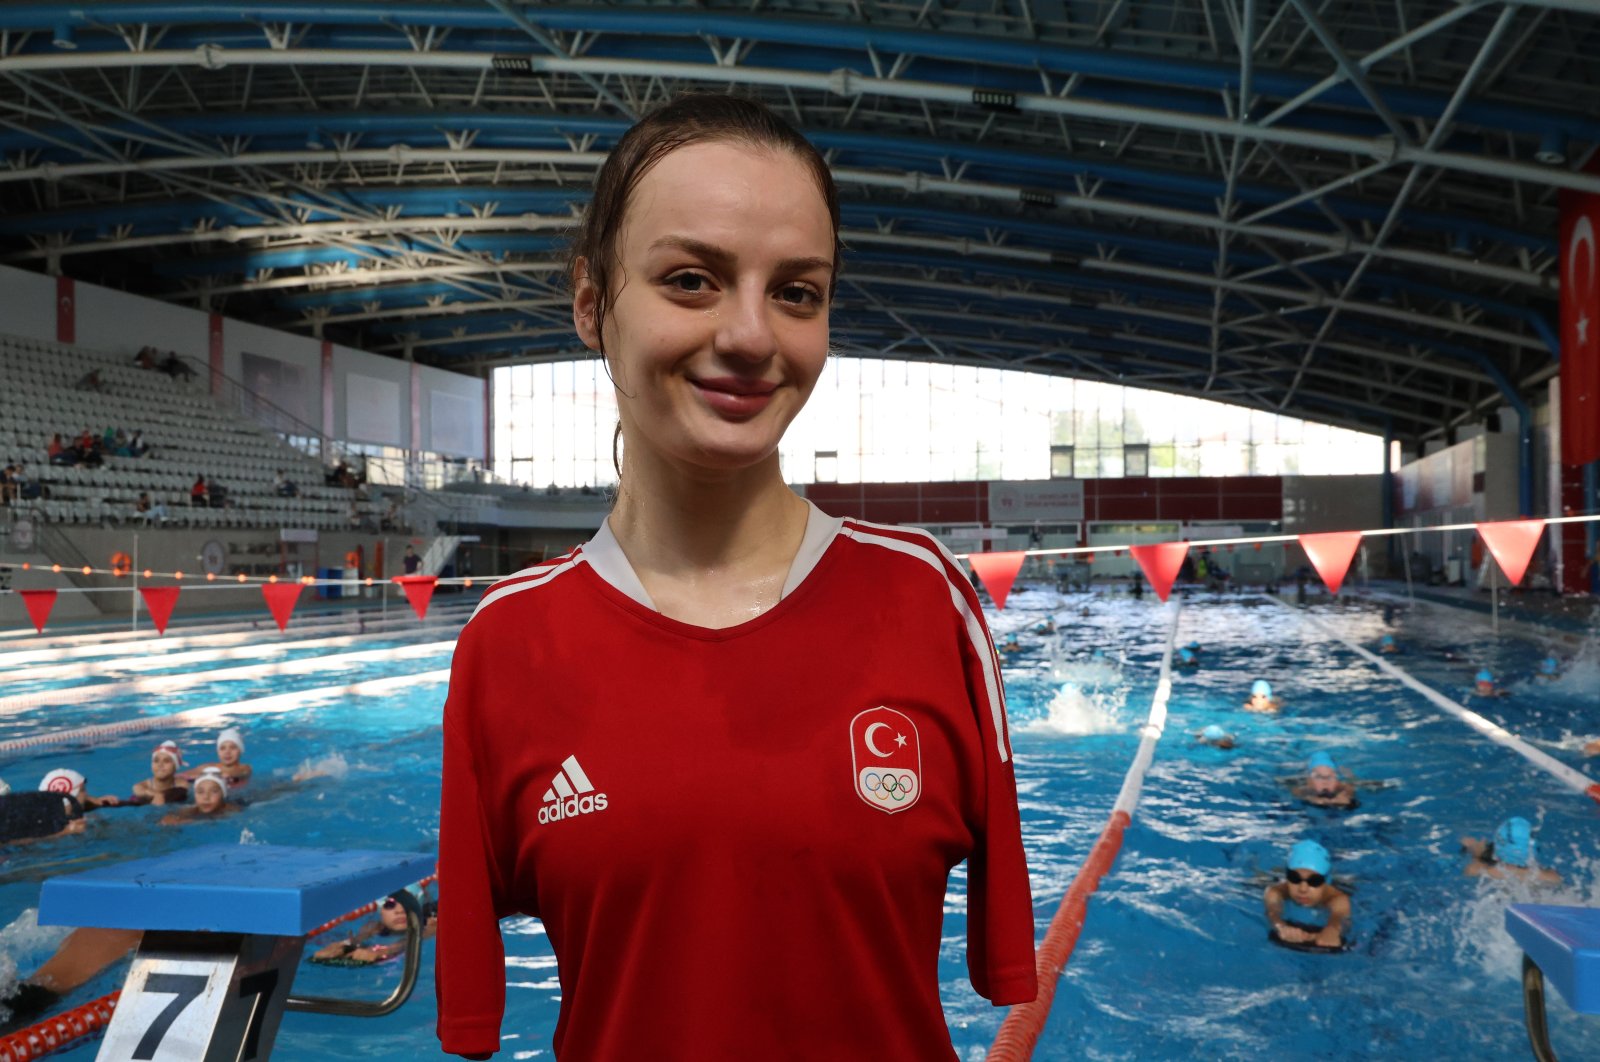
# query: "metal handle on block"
[[1533, 1010], [355, 1008]]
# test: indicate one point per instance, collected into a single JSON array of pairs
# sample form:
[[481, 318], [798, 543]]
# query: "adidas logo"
[[569, 794]]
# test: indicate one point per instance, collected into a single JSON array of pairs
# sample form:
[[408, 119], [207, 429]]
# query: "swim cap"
[[1484, 675], [1309, 855], [4, 788], [210, 774], [1387, 639], [1261, 688], [1549, 665], [1213, 733], [1320, 759], [1193, 646], [62, 780], [171, 750], [1186, 655], [1513, 842], [231, 734]]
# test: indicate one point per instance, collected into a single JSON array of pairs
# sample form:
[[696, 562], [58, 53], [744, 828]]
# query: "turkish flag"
[[1580, 328]]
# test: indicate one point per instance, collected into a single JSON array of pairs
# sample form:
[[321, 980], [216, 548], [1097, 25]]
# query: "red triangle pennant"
[[281, 599], [998, 571], [38, 603], [1330, 553], [419, 591], [1160, 564], [1512, 542], [159, 600]]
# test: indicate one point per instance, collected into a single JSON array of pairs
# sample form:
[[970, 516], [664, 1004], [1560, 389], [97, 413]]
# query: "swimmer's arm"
[[1332, 934], [1473, 847], [1592, 748], [1272, 898]]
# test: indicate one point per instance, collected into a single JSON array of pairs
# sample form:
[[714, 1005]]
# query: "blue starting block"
[[224, 926], [1561, 944]]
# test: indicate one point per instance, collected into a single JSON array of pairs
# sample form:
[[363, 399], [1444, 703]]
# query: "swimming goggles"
[[1294, 877], [389, 903]]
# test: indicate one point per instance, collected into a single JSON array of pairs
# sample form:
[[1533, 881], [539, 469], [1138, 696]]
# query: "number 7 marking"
[[185, 989]]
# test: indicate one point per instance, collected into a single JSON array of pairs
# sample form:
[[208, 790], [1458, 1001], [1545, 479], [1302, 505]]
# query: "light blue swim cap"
[[1186, 655], [1513, 842], [1387, 639], [1320, 759], [1549, 665], [1484, 675], [1194, 646], [1309, 855], [1261, 688], [1213, 733]]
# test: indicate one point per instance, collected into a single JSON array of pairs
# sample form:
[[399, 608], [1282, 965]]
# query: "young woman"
[[210, 795], [229, 762], [730, 749], [163, 786]]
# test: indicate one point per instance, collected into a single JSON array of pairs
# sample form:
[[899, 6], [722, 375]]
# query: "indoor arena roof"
[[1343, 210]]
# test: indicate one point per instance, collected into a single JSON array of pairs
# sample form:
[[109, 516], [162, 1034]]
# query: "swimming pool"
[[1173, 961]]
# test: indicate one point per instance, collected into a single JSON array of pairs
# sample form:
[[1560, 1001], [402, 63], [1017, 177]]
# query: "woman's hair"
[[691, 119]]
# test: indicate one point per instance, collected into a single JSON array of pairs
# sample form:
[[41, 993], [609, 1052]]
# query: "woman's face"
[[208, 797], [228, 753], [162, 766], [718, 324], [393, 915]]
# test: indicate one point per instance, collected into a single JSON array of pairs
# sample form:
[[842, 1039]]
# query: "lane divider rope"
[[1488, 728], [1020, 1030]]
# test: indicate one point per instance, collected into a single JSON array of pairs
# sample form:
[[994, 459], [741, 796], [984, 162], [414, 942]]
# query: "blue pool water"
[[1173, 961]]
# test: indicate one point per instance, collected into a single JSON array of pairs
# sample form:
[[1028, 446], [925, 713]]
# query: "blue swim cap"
[[1320, 759], [1484, 675], [1309, 855], [1513, 842], [1387, 639], [1193, 645], [1213, 733], [1549, 665], [1186, 655], [1261, 688]]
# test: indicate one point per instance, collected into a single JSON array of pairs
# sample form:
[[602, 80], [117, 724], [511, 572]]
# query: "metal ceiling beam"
[[844, 83]]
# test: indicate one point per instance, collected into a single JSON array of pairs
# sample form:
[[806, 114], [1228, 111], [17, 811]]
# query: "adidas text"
[[572, 807]]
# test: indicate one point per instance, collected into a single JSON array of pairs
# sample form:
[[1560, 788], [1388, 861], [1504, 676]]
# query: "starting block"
[[224, 926], [1561, 944]]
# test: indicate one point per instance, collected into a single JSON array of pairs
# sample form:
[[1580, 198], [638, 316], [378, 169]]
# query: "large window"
[[900, 421]]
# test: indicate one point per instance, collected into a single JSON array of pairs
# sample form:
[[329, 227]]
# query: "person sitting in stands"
[[108, 442], [359, 947], [197, 492], [89, 381], [1308, 897], [217, 495], [163, 785], [148, 509], [175, 367], [67, 782], [8, 486], [210, 795], [1322, 784], [137, 447], [146, 358], [229, 762], [1510, 856], [59, 453], [284, 486], [24, 487], [1261, 698]]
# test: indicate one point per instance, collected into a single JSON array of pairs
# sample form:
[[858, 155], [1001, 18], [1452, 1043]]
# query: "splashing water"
[[25, 940]]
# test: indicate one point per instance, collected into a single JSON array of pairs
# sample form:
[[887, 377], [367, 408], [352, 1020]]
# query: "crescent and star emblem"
[[899, 739], [1582, 236]]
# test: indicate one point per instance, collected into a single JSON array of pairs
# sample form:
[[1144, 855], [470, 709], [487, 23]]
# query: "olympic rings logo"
[[886, 785]]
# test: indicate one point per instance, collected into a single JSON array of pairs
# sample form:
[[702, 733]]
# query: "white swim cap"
[[210, 774], [170, 748], [62, 780], [231, 734], [4, 788]]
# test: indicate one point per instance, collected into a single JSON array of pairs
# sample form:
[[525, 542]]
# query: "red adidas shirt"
[[738, 840]]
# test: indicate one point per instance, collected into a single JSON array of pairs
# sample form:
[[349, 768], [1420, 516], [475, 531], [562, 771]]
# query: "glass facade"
[[907, 421]]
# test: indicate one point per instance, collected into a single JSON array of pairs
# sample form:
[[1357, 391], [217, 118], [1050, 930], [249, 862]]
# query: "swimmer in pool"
[[1194, 647], [1322, 785], [1261, 698], [229, 761], [162, 787], [81, 956], [1510, 856], [28, 817], [1048, 626], [210, 795], [1387, 645], [1011, 645], [1216, 737], [1186, 659], [1483, 685], [70, 783], [1549, 669], [1304, 896], [359, 947]]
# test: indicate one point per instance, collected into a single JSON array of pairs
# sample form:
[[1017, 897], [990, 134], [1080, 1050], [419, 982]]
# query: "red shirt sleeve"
[[1000, 957], [469, 955]]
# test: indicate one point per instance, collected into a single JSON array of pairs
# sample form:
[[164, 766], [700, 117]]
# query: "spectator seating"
[[187, 431]]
